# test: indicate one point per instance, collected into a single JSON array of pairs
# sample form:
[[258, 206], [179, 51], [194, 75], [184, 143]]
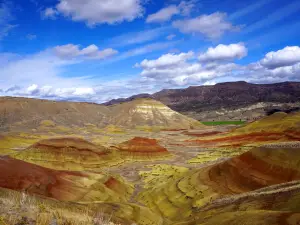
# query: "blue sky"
[[96, 50]]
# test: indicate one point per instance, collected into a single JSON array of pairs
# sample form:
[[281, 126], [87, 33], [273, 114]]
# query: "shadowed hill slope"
[[61, 185], [179, 199]]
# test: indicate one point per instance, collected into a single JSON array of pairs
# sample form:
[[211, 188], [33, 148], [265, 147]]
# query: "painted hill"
[[277, 127], [149, 113], [228, 101], [142, 148], [19, 114], [254, 176], [66, 154], [62, 185], [277, 122]]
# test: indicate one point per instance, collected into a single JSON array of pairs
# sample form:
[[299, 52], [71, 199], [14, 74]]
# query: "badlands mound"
[[260, 168], [274, 128], [277, 122], [151, 113], [142, 148], [65, 153], [61, 185], [30, 113]]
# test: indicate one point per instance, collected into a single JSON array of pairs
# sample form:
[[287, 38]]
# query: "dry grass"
[[23, 209]]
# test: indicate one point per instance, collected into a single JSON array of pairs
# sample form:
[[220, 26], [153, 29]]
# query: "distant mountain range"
[[227, 101]]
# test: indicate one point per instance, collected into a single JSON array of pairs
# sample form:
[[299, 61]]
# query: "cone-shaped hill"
[[257, 169], [62, 185], [142, 148], [151, 113], [65, 153]]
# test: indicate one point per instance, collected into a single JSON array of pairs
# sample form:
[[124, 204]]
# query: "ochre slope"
[[261, 167], [276, 205], [142, 149], [28, 113], [275, 128], [151, 113], [67, 153], [61, 185], [277, 122]]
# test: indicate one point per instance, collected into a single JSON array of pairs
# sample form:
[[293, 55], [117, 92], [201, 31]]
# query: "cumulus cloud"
[[211, 26], [42, 75], [209, 83], [166, 61], [180, 69], [95, 12], [70, 51], [285, 57], [165, 14], [49, 91], [224, 53], [186, 7]]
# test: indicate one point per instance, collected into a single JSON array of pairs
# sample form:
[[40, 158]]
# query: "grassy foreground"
[[21, 208]]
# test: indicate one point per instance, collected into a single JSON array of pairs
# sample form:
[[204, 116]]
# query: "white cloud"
[[179, 69], [163, 15], [31, 37], [95, 12], [285, 57], [186, 7], [224, 53], [282, 65], [212, 26], [49, 13], [209, 83], [166, 61], [32, 88], [70, 51], [43, 75]]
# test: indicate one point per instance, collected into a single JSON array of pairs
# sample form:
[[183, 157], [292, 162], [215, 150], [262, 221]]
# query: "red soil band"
[[202, 134], [244, 138], [248, 172], [141, 145], [22, 176]]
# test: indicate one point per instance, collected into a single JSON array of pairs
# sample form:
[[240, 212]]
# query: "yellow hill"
[[149, 112], [183, 198]]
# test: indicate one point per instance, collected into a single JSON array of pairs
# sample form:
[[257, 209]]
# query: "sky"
[[98, 50]]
